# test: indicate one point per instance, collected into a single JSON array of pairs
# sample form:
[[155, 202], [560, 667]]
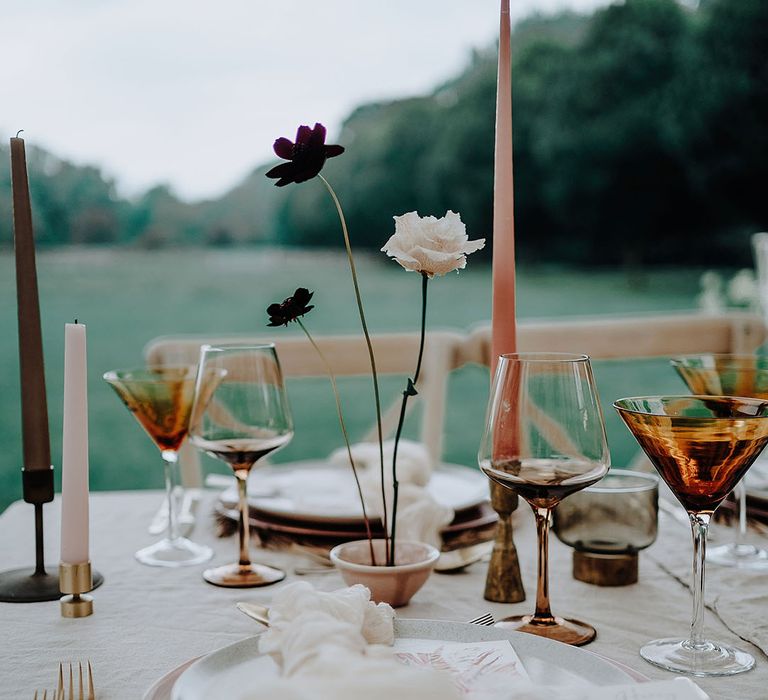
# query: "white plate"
[[231, 669], [319, 491]]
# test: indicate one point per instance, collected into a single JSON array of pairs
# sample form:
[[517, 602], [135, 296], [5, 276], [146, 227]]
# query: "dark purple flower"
[[306, 157], [291, 308]]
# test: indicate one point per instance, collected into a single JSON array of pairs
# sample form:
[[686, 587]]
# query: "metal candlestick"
[[33, 585], [76, 580], [504, 583]]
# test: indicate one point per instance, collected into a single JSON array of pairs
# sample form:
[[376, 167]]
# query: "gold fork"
[[81, 692], [55, 695]]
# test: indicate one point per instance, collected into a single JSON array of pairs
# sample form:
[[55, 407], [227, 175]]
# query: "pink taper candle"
[[504, 337], [74, 457]]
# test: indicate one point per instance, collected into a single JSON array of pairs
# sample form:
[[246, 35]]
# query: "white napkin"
[[419, 516], [337, 646]]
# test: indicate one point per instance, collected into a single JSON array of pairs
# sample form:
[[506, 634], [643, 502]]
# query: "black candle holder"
[[35, 585]]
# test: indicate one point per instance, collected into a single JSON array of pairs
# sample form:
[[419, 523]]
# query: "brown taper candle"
[[34, 407]]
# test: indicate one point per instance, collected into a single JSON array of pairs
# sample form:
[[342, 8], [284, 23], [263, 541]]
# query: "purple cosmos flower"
[[291, 308], [305, 158]]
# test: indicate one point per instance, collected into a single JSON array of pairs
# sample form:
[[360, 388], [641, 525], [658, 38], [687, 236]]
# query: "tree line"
[[639, 134]]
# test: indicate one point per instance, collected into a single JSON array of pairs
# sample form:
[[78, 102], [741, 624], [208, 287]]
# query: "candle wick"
[[18, 132]]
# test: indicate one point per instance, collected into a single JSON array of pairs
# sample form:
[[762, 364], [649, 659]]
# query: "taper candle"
[[74, 448], [34, 407], [504, 325]]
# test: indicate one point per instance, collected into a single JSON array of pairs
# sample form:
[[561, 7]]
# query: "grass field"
[[128, 297]]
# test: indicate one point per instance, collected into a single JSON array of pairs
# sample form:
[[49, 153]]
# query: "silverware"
[[459, 559], [257, 612], [44, 696], [190, 498], [486, 620], [83, 693]]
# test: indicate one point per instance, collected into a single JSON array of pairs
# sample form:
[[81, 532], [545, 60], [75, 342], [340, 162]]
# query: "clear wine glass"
[[730, 375], [545, 439], [240, 415], [701, 446], [160, 399]]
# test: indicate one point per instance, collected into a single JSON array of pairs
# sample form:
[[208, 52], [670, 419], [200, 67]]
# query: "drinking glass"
[[608, 524], [701, 446], [240, 415], [160, 399], [545, 439], [730, 375]]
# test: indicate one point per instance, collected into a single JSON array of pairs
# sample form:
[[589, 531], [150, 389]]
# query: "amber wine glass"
[[545, 439], [240, 415], [730, 375], [701, 446], [160, 399]]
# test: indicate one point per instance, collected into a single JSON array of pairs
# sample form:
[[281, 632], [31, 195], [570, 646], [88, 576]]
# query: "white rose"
[[429, 245]]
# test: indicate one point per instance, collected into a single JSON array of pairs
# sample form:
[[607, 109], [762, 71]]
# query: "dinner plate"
[[233, 668], [319, 491]]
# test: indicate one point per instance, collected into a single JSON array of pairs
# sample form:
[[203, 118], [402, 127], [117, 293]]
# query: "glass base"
[[568, 631], [739, 556], [708, 659], [174, 553], [243, 576]]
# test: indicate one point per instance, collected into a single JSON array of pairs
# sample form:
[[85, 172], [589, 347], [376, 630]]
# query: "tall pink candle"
[[504, 325], [74, 457]]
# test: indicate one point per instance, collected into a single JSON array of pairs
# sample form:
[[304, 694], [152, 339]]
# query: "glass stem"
[[170, 459], [699, 526], [543, 614], [741, 492], [243, 528]]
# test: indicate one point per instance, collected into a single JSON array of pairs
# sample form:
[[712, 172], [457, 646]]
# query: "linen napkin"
[[337, 646], [419, 516]]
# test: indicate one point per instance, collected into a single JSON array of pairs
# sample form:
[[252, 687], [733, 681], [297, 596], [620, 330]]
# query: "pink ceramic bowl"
[[395, 585]]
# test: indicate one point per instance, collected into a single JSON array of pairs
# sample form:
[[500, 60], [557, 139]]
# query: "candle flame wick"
[[19, 132]]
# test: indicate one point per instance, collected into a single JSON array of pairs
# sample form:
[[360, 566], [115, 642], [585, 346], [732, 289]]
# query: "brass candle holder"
[[76, 580], [503, 583]]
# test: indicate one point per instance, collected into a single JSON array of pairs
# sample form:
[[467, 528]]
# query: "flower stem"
[[410, 391], [336, 396], [371, 356]]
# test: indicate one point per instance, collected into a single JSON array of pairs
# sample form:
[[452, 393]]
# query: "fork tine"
[[486, 620], [60, 683], [35, 698], [71, 684], [91, 692], [80, 694]]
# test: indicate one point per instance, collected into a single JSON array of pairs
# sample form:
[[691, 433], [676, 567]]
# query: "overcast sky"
[[193, 93]]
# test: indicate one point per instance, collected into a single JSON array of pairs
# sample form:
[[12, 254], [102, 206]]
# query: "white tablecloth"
[[148, 620]]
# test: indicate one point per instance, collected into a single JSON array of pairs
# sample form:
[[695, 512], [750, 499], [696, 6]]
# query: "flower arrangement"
[[427, 245]]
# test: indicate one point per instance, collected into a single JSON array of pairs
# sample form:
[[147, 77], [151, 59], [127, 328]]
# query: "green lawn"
[[128, 297]]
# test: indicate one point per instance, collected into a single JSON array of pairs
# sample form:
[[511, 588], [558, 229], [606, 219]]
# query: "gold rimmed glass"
[[545, 439], [730, 375], [160, 399], [701, 446], [240, 415]]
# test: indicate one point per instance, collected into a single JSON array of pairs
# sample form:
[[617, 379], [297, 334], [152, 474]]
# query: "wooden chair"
[[634, 337], [348, 356]]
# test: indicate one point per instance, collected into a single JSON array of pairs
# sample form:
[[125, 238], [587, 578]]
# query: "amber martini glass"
[[701, 446], [730, 375], [160, 399]]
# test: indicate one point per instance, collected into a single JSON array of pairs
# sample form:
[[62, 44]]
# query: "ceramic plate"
[[322, 492], [230, 670]]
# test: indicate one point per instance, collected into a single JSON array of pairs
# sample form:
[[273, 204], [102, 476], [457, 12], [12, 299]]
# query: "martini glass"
[[240, 415], [701, 446], [730, 375], [545, 439], [160, 398]]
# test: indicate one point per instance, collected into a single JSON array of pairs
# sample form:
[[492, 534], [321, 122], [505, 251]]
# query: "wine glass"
[[160, 398], [240, 415], [545, 438], [701, 446], [730, 375]]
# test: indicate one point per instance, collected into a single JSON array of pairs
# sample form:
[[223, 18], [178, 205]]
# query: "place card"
[[478, 669]]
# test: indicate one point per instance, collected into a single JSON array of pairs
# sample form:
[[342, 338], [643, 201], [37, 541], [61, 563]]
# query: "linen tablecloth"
[[149, 620]]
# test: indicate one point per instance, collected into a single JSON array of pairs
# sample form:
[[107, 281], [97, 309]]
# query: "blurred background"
[[640, 170]]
